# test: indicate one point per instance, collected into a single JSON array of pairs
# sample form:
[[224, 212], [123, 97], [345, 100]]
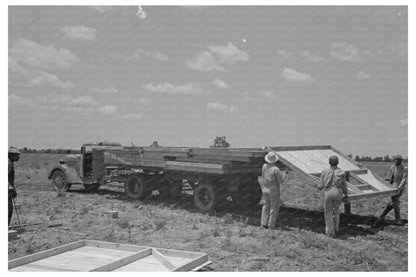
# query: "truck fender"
[[71, 174]]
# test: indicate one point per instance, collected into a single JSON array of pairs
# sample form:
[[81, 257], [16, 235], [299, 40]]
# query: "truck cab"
[[86, 168]]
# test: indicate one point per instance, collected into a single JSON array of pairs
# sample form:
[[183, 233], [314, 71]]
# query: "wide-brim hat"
[[13, 150], [398, 157], [271, 157]]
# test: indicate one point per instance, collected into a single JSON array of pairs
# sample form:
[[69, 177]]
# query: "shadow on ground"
[[289, 217]]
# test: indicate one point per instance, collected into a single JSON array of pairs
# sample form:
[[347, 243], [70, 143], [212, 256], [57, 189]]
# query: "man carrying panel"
[[398, 178]]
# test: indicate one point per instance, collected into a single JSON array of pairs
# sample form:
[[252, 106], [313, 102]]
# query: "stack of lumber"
[[200, 160]]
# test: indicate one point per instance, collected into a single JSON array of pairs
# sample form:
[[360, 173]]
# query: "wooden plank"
[[147, 264], [346, 157], [37, 267], [83, 260], [114, 245], [359, 171], [45, 254], [314, 161], [124, 261], [371, 194], [179, 253], [312, 178], [201, 266], [365, 187], [162, 259], [295, 160], [370, 178], [300, 147], [192, 264]]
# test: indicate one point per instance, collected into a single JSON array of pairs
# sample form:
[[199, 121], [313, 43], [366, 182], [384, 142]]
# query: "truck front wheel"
[[136, 187], [59, 182]]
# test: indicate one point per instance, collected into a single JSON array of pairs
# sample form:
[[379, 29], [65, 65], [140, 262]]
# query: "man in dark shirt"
[[14, 155], [398, 178]]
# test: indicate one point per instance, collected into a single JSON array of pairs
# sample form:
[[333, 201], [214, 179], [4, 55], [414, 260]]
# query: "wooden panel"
[[370, 179], [106, 256], [84, 259], [44, 254]]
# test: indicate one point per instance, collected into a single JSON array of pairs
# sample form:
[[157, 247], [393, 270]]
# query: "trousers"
[[332, 201], [394, 204], [271, 206], [10, 207]]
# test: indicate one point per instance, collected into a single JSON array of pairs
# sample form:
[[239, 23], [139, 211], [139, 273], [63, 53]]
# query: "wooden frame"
[[126, 256], [365, 189]]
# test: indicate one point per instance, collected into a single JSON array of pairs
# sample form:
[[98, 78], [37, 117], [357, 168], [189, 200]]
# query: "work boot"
[[398, 222], [264, 226]]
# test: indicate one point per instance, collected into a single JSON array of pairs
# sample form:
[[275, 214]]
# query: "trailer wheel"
[[136, 187], [207, 197], [249, 193], [59, 182]]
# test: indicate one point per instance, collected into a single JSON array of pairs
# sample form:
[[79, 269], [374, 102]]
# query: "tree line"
[[219, 142]]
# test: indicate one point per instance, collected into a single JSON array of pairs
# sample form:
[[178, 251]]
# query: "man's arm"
[[279, 176], [403, 182]]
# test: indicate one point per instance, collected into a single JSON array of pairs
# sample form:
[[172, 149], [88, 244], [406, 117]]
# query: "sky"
[[182, 75]]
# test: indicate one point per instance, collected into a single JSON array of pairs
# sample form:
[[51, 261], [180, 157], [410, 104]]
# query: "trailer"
[[214, 174]]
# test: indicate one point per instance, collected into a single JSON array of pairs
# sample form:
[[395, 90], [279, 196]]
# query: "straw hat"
[[271, 157]]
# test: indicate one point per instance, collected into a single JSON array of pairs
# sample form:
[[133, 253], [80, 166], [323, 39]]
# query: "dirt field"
[[231, 238]]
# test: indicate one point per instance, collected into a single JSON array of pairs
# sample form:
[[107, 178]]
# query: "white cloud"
[[403, 122], [79, 32], [229, 54], [143, 100], [84, 100], [46, 78], [42, 56], [293, 75], [217, 57], [221, 84], [268, 94], [307, 55], [16, 67], [216, 106], [104, 9], [109, 90], [283, 54], [132, 116], [402, 49], [186, 89], [16, 100], [204, 61], [108, 109], [154, 54], [362, 75], [345, 52]]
